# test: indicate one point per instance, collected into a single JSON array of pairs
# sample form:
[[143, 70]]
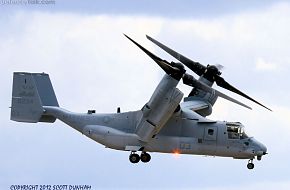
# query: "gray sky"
[[92, 65], [163, 8]]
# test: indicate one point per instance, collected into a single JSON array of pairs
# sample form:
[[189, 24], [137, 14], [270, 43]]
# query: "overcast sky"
[[93, 66]]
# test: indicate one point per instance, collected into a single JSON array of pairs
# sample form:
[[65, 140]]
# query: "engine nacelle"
[[159, 109]]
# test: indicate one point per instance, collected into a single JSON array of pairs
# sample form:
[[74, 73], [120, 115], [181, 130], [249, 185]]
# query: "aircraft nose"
[[260, 148], [263, 148]]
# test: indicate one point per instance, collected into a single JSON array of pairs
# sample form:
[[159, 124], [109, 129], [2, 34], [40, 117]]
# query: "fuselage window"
[[210, 132]]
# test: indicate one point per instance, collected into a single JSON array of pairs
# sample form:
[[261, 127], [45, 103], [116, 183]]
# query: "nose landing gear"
[[250, 164], [135, 158]]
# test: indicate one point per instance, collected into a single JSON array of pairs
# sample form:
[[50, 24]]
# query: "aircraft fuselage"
[[180, 134]]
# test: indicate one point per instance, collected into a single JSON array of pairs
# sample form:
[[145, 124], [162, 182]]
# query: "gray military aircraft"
[[164, 124]]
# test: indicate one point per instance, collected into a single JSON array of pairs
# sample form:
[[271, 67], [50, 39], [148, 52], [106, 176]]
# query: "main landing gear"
[[135, 158], [250, 164]]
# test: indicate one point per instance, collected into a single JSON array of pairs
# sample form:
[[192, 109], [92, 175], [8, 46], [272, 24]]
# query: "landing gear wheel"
[[145, 157], [250, 166], [134, 158]]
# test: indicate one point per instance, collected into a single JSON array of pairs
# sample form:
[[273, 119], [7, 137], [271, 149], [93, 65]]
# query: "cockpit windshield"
[[236, 131]]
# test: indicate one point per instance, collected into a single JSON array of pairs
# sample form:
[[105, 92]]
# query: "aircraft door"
[[208, 146]]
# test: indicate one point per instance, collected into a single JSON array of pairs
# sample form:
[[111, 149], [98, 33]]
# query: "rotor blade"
[[220, 94], [190, 80], [224, 84], [172, 71], [196, 67]]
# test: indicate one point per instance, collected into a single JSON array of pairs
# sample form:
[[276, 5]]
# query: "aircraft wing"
[[195, 105], [199, 106]]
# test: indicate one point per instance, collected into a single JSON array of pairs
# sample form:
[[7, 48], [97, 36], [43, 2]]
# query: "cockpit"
[[236, 130]]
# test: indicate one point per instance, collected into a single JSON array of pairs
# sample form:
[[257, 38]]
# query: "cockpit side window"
[[233, 132], [236, 131], [243, 134]]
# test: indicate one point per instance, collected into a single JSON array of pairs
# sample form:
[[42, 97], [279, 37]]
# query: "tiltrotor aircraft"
[[164, 124]]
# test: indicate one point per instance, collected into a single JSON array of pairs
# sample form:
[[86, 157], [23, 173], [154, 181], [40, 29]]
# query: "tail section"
[[32, 91]]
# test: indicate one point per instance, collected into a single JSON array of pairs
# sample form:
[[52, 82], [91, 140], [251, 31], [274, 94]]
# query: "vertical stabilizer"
[[30, 92]]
